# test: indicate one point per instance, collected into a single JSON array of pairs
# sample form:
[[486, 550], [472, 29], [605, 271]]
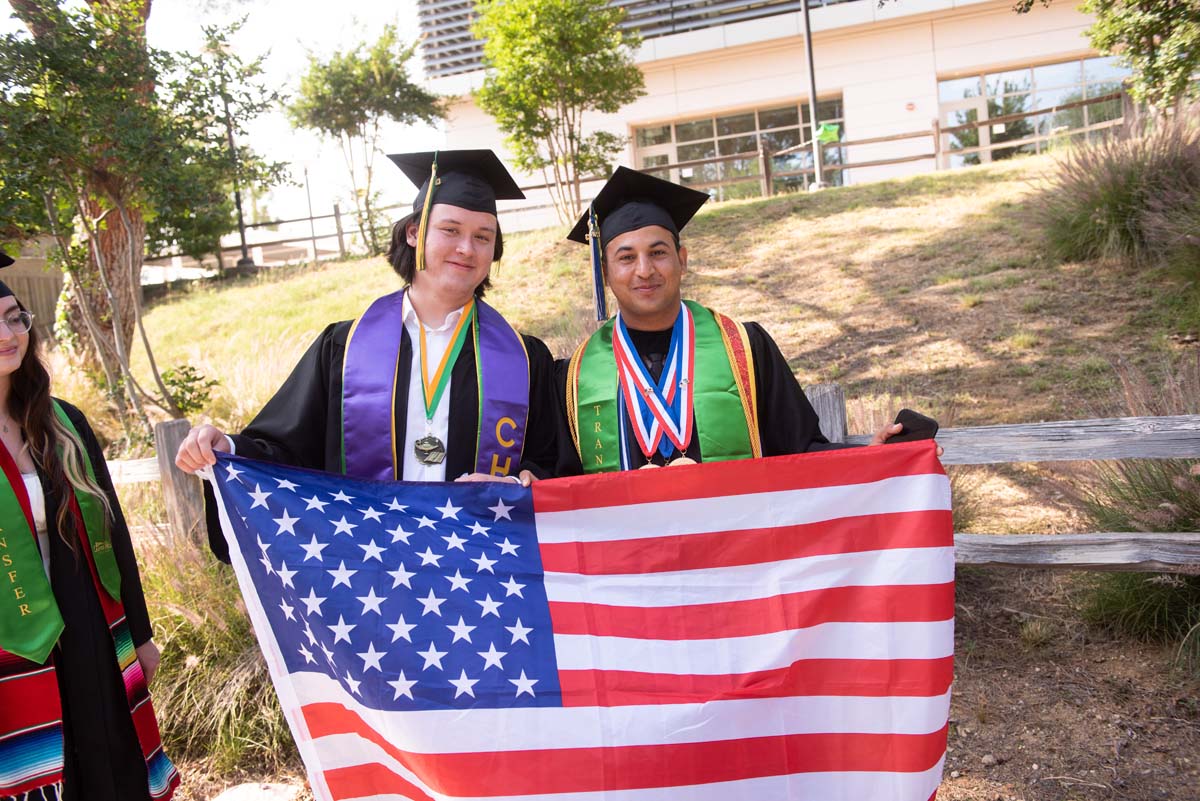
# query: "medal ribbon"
[[665, 407], [435, 386]]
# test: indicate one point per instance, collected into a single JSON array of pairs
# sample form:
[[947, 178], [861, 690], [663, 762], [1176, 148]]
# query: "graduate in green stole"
[[76, 647], [667, 381]]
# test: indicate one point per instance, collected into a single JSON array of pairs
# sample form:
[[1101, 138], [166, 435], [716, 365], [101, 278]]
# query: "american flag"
[[768, 629]]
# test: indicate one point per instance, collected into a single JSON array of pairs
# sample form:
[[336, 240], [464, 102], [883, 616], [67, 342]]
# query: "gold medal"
[[681, 460], [429, 450], [648, 465]]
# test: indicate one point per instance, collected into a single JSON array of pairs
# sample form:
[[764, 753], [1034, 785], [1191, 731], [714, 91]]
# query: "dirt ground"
[[1046, 710]]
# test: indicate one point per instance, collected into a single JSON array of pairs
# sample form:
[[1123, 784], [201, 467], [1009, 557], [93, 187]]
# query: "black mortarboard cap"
[[628, 201], [470, 179], [632, 200], [5, 261]]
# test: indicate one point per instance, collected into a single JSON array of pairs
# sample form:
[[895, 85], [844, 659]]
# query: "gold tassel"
[[423, 227]]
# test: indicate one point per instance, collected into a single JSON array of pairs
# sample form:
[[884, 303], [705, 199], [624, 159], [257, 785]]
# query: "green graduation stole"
[[30, 622], [724, 395]]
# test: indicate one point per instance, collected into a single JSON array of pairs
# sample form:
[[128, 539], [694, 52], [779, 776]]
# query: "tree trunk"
[[113, 245], [123, 261]]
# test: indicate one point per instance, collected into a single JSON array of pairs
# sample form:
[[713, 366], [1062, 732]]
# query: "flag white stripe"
[[897, 566], [344, 751], [779, 649], [749, 511], [438, 731]]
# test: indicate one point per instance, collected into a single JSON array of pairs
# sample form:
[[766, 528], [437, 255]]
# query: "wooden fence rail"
[[1068, 440]]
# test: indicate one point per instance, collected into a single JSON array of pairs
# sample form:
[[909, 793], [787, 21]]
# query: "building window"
[[692, 144], [987, 96]]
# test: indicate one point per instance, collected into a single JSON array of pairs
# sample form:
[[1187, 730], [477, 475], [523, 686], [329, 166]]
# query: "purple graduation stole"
[[369, 381]]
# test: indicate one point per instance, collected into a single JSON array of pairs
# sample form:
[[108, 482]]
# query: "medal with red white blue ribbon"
[[661, 411]]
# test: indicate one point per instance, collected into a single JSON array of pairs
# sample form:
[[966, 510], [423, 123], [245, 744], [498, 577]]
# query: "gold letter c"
[[508, 443]]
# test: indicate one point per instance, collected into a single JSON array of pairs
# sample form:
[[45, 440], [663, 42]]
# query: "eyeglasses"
[[18, 322]]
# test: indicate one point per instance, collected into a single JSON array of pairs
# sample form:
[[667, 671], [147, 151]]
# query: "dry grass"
[[865, 285]]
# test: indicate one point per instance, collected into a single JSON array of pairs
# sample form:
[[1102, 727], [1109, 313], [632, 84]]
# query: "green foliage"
[[213, 693], [549, 62], [209, 98], [1105, 199], [93, 115], [1158, 39], [1155, 608], [347, 98], [106, 140], [190, 390]]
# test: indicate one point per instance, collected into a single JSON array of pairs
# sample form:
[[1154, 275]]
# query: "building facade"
[[725, 78]]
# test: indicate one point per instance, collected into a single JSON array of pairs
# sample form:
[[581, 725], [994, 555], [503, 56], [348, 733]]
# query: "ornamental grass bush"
[[1131, 198], [1150, 495], [213, 694]]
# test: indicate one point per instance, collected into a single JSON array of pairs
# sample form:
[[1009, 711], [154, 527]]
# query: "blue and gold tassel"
[[597, 265]]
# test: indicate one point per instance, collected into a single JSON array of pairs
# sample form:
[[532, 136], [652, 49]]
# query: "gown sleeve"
[[132, 597], [298, 426], [292, 427]]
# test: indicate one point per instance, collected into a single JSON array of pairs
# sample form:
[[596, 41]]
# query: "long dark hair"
[[403, 256], [59, 454]]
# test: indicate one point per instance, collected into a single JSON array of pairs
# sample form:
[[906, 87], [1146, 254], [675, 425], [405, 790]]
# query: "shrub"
[[1145, 495], [1105, 199], [189, 388]]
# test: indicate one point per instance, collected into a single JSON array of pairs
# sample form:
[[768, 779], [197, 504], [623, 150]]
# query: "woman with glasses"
[[75, 647]]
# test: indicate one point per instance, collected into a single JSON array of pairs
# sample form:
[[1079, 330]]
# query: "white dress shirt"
[[37, 505], [437, 340]]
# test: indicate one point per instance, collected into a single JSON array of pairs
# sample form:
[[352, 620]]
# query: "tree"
[[95, 153], [349, 96], [60, 112], [210, 96], [550, 62]]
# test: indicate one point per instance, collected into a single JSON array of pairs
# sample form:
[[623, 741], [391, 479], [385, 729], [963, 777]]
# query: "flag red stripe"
[[633, 767], [924, 529], [745, 476], [371, 779], [916, 603], [869, 678]]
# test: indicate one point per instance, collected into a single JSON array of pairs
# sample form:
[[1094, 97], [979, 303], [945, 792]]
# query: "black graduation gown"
[[787, 422], [102, 757], [302, 424]]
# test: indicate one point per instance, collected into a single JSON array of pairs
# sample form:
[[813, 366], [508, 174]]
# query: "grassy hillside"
[[930, 288]]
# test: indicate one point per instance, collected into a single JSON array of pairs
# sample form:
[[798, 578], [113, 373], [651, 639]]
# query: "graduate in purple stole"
[[430, 383]]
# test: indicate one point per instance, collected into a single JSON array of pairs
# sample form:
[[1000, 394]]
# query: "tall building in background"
[[726, 77]]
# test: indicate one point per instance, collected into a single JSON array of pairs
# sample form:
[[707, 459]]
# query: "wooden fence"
[[1070, 440], [937, 151]]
